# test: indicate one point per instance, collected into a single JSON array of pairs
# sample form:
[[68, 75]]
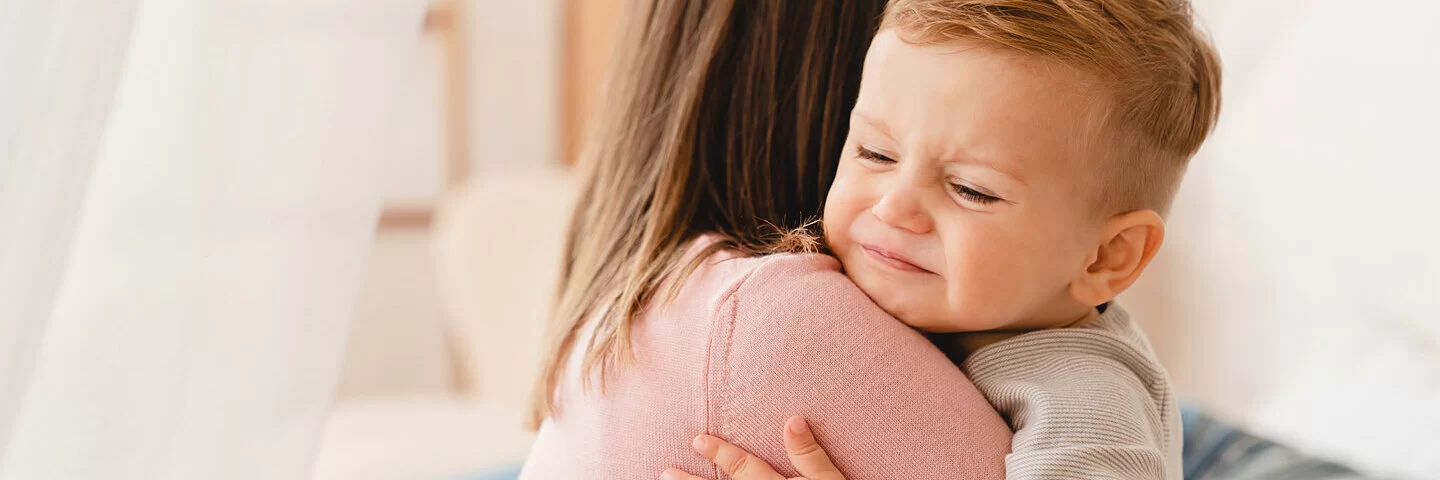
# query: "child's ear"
[[1127, 244]]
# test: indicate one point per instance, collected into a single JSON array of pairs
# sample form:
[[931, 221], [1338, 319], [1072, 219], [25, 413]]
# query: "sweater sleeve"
[[1084, 403], [797, 337]]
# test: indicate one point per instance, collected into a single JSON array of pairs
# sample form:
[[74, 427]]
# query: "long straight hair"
[[720, 116]]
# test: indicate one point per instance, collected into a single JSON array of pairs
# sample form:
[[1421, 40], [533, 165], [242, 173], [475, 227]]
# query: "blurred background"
[[441, 355], [401, 173]]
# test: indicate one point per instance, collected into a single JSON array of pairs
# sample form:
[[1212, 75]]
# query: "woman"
[[680, 311]]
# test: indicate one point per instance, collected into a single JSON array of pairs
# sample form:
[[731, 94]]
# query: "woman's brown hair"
[[724, 116]]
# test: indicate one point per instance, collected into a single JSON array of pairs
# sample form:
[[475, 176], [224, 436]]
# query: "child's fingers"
[[734, 461], [678, 474], [805, 452]]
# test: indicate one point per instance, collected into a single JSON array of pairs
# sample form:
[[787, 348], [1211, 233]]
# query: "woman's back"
[[750, 341]]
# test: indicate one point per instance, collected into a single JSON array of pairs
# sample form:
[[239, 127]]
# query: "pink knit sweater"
[[749, 342]]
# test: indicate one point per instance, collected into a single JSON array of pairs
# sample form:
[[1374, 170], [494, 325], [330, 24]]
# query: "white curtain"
[[186, 204], [59, 62]]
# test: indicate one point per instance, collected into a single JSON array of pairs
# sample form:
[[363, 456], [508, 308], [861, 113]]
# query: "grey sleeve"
[[1083, 403]]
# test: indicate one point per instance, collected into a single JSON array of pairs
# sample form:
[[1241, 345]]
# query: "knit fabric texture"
[[749, 342], [1086, 402]]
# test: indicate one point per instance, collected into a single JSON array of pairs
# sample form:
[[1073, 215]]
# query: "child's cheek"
[[979, 285], [841, 208]]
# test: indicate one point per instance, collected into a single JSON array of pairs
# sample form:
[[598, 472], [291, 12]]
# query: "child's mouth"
[[891, 260]]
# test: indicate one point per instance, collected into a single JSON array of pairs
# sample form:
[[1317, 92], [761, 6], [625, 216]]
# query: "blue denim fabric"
[[1215, 450]]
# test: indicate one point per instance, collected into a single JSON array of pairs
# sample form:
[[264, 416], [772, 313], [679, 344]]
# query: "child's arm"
[[1082, 405]]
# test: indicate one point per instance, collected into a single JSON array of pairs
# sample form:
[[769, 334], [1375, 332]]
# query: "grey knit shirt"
[[1086, 402]]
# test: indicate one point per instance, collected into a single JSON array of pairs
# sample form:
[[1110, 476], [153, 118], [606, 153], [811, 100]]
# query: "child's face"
[[961, 202]]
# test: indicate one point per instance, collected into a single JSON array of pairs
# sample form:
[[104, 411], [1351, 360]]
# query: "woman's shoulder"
[[799, 280], [780, 299], [788, 269], [795, 336], [770, 300], [726, 273]]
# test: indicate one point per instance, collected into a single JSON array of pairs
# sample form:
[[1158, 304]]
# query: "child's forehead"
[[979, 104], [968, 70], [890, 46]]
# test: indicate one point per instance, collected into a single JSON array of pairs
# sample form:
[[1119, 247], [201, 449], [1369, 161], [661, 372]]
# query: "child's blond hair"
[[1163, 75]]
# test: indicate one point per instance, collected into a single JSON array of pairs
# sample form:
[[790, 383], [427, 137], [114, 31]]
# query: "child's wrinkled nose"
[[901, 208]]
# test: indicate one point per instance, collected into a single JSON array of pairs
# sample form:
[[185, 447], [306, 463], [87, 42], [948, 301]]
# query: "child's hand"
[[805, 455]]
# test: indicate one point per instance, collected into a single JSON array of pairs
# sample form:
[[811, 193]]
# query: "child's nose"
[[901, 208]]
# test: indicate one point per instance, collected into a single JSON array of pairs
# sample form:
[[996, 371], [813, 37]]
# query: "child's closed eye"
[[969, 193], [873, 156], [973, 194]]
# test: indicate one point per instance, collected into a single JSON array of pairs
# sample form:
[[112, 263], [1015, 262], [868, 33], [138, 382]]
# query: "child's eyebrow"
[[872, 121], [1003, 168], [957, 156]]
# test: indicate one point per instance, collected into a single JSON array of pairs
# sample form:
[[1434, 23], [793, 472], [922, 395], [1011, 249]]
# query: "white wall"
[[514, 67], [1298, 288], [515, 89]]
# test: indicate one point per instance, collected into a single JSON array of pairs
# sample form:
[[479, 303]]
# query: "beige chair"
[[496, 248]]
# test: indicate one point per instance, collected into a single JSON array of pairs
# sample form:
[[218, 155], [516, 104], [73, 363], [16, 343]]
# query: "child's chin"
[[931, 320], [916, 316], [890, 297]]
